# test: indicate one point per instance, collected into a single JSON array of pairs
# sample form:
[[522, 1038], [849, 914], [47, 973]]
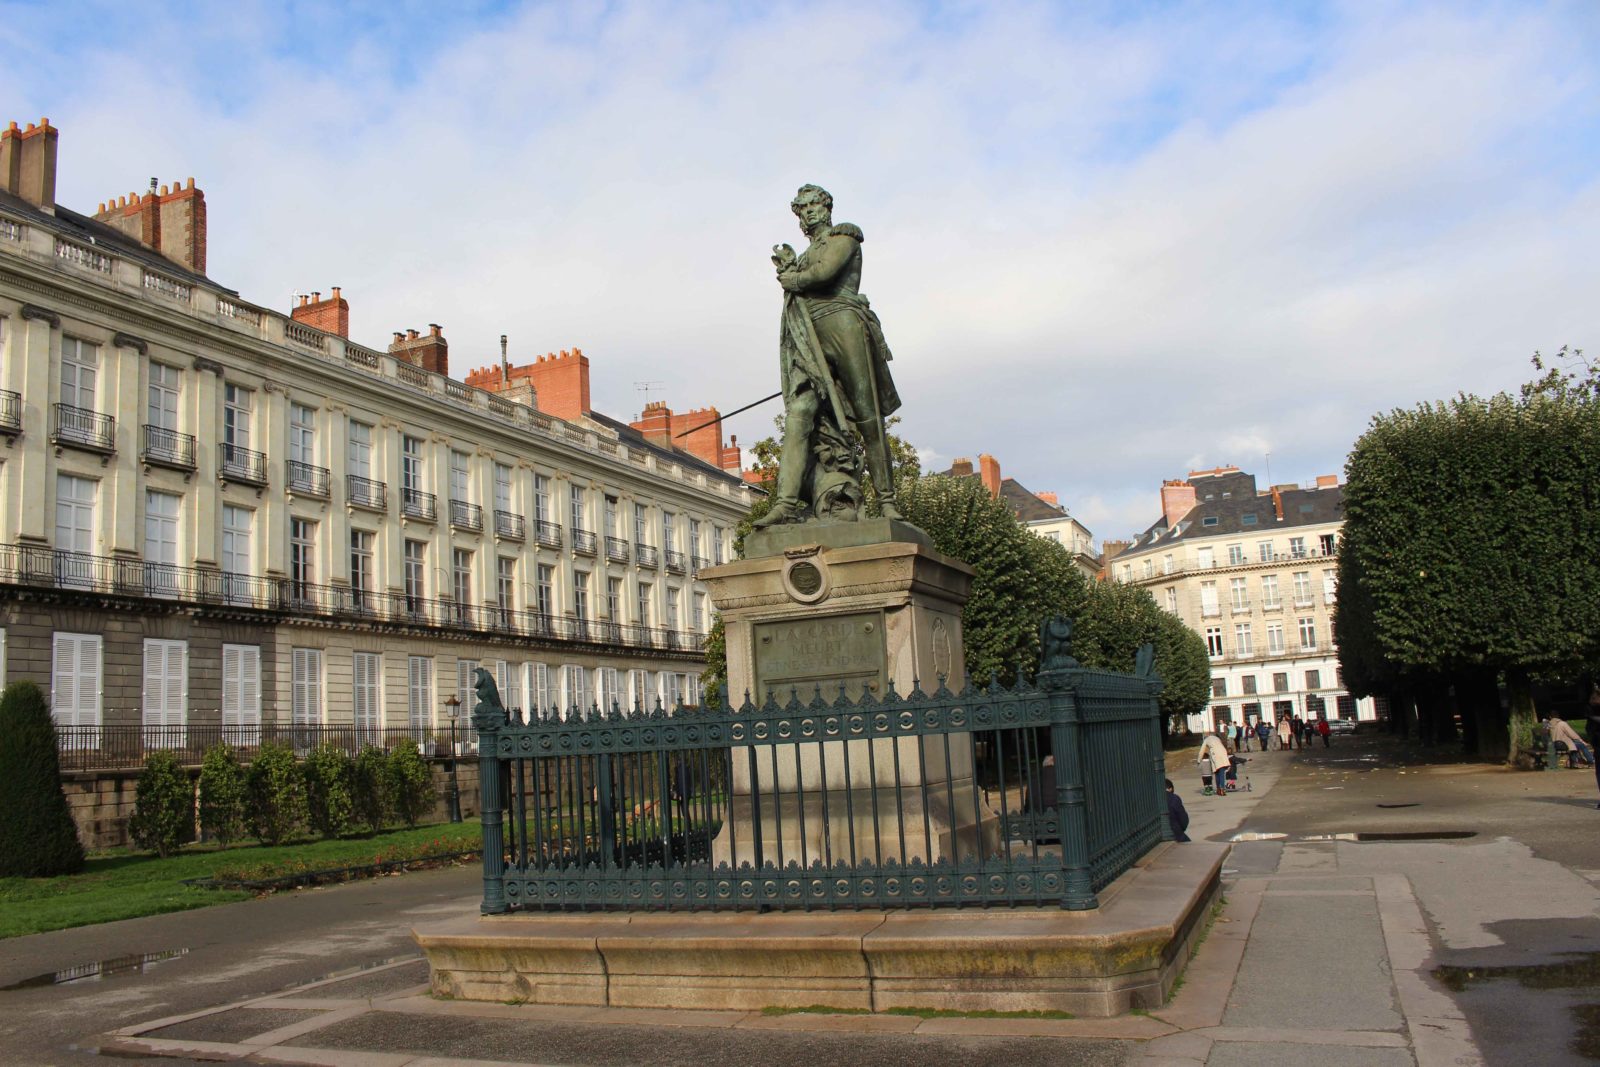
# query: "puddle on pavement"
[[1579, 971], [115, 967], [1364, 835], [1411, 804]]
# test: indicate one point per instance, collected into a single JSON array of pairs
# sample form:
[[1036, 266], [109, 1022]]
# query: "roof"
[[1025, 505], [75, 227], [634, 439], [1230, 504]]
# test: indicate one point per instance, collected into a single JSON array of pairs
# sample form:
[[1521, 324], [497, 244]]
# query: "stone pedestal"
[[817, 610]]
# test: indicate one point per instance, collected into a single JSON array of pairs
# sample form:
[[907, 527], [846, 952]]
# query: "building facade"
[[213, 513], [1041, 513], [1255, 573]]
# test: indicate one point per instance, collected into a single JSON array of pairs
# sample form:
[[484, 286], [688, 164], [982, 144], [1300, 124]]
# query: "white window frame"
[[76, 693], [366, 696], [162, 397], [241, 693], [237, 405], [306, 706], [641, 695], [164, 696], [302, 434], [80, 385], [419, 696], [360, 449]]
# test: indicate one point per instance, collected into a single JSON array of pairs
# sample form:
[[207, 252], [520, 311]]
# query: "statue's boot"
[[784, 511], [878, 468]]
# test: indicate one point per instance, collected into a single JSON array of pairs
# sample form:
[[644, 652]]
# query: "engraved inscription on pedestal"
[[804, 652]]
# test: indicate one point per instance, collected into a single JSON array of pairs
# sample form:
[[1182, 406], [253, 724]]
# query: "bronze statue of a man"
[[835, 368]]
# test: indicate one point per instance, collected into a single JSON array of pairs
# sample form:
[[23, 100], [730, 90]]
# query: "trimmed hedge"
[[163, 807], [38, 838]]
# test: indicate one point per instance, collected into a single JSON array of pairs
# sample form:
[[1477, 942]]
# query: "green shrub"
[[370, 784], [275, 794], [38, 838], [163, 806], [410, 784], [328, 795], [222, 794]]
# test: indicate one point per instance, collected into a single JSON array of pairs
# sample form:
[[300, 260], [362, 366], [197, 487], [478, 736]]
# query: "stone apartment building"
[[214, 513], [1254, 572], [1041, 513]]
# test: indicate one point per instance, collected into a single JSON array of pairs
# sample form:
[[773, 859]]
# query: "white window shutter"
[[64, 680]]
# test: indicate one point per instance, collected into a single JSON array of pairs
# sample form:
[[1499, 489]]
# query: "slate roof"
[[634, 439], [1023, 503], [1230, 499], [85, 230]]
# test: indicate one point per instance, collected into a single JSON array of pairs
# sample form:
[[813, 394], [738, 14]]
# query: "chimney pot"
[[191, 183], [398, 337], [335, 291], [316, 296], [434, 328]]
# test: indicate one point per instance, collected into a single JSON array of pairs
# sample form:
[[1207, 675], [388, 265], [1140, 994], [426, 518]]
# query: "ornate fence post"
[[488, 717], [1059, 675]]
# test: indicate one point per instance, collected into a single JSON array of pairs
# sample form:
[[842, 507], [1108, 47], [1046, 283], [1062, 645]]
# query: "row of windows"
[[1206, 556], [1315, 707], [75, 506], [77, 686], [1280, 683], [80, 367], [1244, 638], [1271, 593]]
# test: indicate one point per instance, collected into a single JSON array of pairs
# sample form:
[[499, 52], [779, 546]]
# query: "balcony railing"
[[10, 411], [646, 555], [168, 448], [584, 542], [510, 524], [699, 563], [307, 479], [127, 745], [32, 566], [548, 533], [675, 562], [415, 504], [1272, 605], [83, 428], [366, 492], [243, 465], [465, 516], [1241, 607], [1303, 601], [617, 549], [1211, 611]]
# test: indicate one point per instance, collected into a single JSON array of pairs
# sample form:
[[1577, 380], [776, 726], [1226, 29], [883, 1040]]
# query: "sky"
[[1109, 243]]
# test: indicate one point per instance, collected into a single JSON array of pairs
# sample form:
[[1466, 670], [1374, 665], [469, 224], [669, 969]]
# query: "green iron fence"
[[1039, 793]]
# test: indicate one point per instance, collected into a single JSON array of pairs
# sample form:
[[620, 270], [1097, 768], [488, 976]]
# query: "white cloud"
[[1104, 250]]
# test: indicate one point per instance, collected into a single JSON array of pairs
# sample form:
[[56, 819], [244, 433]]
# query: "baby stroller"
[[1230, 782]]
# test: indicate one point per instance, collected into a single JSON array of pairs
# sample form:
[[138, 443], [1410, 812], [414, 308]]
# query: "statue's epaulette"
[[847, 229]]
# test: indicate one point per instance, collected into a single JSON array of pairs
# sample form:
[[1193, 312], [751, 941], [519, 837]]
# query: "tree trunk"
[[1444, 723], [1467, 708], [1522, 716]]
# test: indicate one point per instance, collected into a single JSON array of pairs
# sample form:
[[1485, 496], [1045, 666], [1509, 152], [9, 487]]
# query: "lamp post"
[[452, 708]]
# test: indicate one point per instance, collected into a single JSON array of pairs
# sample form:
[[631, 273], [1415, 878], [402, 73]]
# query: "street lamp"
[[452, 708]]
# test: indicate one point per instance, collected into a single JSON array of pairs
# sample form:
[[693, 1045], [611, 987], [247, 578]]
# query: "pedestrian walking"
[[1238, 735], [1285, 734], [1263, 731], [1214, 755], [1177, 814], [1323, 729]]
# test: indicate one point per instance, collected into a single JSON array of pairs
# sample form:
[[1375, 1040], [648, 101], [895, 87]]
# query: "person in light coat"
[[1212, 748]]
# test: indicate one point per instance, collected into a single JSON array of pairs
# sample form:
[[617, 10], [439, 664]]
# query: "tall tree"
[[1468, 551]]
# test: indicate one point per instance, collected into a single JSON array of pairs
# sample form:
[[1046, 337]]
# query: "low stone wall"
[[101, 802]]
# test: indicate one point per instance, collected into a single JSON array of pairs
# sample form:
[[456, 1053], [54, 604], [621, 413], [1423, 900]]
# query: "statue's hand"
[[790, 282]]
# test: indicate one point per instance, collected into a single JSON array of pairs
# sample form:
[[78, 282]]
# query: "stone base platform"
[[1125, 954]]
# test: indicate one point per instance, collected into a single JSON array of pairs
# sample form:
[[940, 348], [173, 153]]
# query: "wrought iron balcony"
[[415, 504], [1303, 601], [10, 411], [646, 555], [584, 542], [509, 524], [1241, 608], [699, 563], [675, 562], [82, 428], [548, 533], [307, 479], [366, 492], [617, 549], [1272, 605], [168, 448], [243, 465], [465, 516]]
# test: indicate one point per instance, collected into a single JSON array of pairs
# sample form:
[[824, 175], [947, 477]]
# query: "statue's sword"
[[816, 364]]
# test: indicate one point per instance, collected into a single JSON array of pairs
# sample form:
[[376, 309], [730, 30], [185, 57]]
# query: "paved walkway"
[[1321, 956]]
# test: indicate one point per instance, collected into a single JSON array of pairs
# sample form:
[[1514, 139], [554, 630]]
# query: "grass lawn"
[[123, 884]]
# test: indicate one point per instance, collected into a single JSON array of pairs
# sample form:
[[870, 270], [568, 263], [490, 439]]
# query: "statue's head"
[[812, 204]]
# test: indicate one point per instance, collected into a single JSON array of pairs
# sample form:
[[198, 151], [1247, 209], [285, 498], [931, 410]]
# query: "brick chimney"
[[429, 351], [1327, 481], [28, 163], [331, 315], [1049, 498], [655, 422], [1177, 500], [989, 469], [561, 382], [170, 220], [961, 468]]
